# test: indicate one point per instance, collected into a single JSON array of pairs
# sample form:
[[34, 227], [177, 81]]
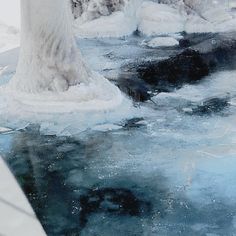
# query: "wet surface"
[[116, 183], [168, 172]]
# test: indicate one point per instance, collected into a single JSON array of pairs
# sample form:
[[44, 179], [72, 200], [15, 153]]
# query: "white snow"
[[16, 214], [162, 42], [115, 25], [149, 17], [5, 130], [99, 95], [157, 18], [153, 19], [118, 24]]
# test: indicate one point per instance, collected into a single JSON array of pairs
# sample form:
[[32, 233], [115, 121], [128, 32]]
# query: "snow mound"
[[96, 95], [115, 25], [195, 24], [213, 19], [157, 19], [162, 42], [118, 24], [82, 107]]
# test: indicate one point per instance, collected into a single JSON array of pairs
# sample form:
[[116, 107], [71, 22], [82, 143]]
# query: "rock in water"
[[186, 67]]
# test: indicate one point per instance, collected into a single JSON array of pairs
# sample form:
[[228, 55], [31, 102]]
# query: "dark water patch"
[[208, 107], [42, 165], [118, 201], [133, 123], [94, 200], [193, 39]]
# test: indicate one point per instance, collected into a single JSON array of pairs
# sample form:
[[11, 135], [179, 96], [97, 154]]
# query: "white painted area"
[[16, 215]]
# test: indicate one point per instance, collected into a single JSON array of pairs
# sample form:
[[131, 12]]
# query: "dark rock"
[[135, 88], [187, 67], [207, 54], [137, 33]]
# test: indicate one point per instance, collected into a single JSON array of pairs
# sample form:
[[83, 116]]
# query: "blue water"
[[168, 172]]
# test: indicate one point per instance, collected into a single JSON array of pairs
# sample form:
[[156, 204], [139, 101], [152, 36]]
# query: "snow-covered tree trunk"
[[49, 58]]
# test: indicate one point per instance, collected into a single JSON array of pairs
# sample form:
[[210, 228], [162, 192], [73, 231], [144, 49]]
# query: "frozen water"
[[166, 167], [169, 171]]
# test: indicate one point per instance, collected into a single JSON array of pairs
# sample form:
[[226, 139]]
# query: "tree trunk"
[[49, 58]]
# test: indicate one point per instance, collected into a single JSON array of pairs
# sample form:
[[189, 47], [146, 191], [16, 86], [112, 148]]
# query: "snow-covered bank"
[[17, 216], [152, 18], [157, 18], [115, 25]]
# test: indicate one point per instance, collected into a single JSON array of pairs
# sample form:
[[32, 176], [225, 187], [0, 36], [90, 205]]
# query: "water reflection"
[[78, 186]]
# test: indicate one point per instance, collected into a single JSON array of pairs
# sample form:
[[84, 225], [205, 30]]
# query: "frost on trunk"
[[49, 58]]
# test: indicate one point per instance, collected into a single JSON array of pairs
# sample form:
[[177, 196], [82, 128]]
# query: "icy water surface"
[[168, 172]]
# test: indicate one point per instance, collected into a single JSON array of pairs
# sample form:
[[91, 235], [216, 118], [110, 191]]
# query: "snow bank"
[[217, 18], [115, 25], [152, 18], [157, 18], [118, 24], [99, 95]]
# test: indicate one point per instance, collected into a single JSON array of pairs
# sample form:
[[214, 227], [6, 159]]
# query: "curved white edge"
[[17, 217]]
